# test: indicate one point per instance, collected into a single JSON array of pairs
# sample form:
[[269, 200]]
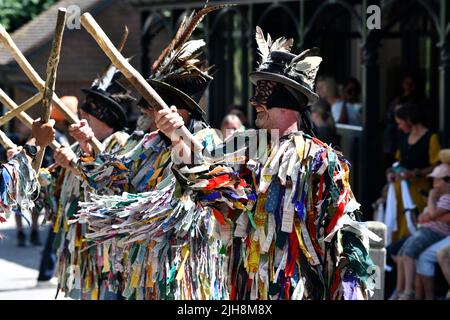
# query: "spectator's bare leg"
[[428, 286], [419, 288], [410, 272], [34, 238], [400, 275], [443, 257], [21, 242], [34, 220]]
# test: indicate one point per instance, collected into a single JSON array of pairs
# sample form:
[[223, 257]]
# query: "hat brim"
[[189, 103], [117, 107], [437, 176], [256, 76]]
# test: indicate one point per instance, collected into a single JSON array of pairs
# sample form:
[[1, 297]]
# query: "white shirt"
[[353, 110]]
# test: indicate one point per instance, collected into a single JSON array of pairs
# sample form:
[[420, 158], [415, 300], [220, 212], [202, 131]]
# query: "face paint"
[[264, 90]]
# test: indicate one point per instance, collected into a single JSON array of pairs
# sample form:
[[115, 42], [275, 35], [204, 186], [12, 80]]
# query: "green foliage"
[[15, 13]]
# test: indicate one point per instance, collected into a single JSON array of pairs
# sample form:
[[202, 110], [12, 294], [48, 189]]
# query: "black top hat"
[[296, 72], [108, 100]]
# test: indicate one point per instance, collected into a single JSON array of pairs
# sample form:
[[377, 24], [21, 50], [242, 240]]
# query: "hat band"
[[280, 68], [273, 67]]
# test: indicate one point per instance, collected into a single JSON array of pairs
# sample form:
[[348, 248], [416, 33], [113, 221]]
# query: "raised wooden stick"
[[8, 116], [28, 121], [52, 68], [23, 117], [133, 76], [6, 142], [37, 81]]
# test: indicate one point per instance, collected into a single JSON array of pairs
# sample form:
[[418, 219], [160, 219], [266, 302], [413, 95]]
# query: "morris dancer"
[[104, 115], [284, 226], [143, 164]]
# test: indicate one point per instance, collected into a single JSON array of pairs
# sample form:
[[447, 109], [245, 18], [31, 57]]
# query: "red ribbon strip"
[[219, 217]]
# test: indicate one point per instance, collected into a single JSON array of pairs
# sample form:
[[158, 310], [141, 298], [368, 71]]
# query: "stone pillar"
[[377, 252]]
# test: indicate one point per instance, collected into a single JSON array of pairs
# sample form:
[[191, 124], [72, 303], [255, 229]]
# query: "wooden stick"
[[27, 120], [23, 117], [52, 68], [133, 76], [6, 142], [37, 81], [8, 116]]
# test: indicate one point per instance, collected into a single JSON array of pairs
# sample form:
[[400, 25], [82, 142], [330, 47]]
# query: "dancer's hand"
[[43, 133], [168, 121], [83, 133], [63, 156]]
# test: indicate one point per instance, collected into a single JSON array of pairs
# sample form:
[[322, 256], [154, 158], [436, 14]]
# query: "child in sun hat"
[[431, 229]]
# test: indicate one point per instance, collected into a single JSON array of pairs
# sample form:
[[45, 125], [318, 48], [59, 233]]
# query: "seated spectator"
[[417, 154], [431, 230], [351, 92], [230, 125], [391, 134]]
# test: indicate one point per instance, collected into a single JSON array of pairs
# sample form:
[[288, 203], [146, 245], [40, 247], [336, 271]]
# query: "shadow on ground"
[[29, 256]]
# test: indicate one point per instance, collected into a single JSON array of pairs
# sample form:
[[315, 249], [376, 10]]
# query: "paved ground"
[[19, 267]]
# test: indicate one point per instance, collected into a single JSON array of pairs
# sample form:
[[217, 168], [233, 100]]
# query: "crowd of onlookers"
[[415, 202], [337, 104]]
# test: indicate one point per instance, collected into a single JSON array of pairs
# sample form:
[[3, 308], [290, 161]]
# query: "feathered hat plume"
[[179, 71], [266, 46]]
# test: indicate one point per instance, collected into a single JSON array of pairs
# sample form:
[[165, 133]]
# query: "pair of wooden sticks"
[[46, 93]]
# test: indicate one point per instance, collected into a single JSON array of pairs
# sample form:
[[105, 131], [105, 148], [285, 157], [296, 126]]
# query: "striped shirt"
[[438, 226]]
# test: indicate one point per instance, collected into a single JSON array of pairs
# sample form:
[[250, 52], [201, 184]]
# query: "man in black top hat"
[[103, 113]]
